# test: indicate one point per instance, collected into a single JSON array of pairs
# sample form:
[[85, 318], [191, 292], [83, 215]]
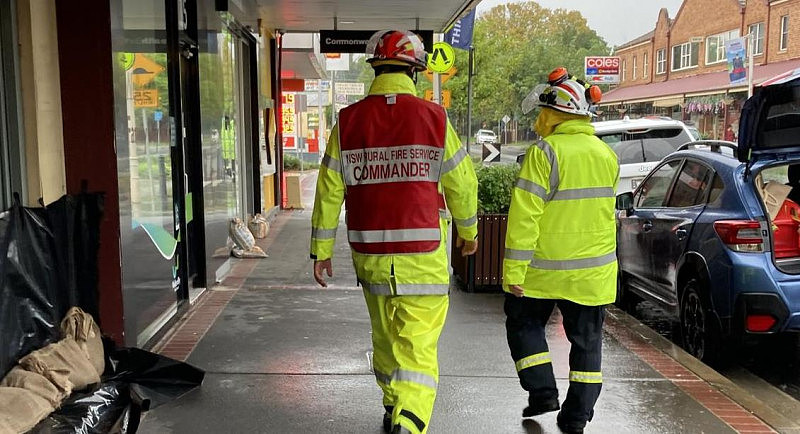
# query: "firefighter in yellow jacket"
[[399, 164], [561, 250]]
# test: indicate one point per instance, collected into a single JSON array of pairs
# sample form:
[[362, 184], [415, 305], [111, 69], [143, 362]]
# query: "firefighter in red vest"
[[399, 164]]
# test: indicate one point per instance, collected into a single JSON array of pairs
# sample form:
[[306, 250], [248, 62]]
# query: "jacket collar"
[[575, 126], [392, 83]]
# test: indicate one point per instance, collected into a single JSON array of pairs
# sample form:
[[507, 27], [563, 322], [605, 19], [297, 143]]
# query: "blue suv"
[[706, 235]]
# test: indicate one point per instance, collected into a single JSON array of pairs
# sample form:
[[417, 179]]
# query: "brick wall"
[[692, 21]]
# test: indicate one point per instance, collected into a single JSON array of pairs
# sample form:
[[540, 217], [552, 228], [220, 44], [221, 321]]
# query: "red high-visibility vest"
[[392, 149]]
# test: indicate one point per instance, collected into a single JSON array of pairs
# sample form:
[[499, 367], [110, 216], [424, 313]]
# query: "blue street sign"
[[158, 115]]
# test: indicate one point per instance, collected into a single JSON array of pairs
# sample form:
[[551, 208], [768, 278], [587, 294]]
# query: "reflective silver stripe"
[[394, 235], [467, 221], [377, 288], [586, 377], [414, 377], [383, 378], [551, 157], [532, 188], [574, 264], [454, 161], [442, 213], [323, 234], [584, 193], [519, 255], [378, 165], [533, 360], [332, 163], [422, 288]]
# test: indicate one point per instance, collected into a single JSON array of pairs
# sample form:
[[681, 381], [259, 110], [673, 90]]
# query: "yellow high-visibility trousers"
[[405, 337]]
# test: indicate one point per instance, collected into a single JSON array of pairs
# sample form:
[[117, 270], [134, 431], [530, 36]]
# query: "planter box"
[[484, 269]]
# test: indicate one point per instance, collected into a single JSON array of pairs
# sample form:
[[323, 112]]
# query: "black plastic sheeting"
[[48, 264], [135, 381]]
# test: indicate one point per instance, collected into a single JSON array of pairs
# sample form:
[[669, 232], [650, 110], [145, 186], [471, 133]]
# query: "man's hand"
[[468, 247], [516, 290], [319, 266]]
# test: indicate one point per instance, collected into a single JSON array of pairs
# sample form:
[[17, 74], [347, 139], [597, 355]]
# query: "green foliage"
[[290, 162], [516, 47], [495, 183]]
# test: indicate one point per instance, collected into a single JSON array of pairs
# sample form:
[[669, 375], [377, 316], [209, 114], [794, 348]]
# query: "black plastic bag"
[[111, 407], [28, 285]]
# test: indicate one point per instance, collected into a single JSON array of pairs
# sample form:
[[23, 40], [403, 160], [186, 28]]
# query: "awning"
[[711, 83], [668, 102]]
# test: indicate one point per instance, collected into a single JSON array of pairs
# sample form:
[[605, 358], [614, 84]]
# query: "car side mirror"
[[625, 202]]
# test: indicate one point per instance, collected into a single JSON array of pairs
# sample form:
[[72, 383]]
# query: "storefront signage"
[[288, 118], [355, 41], [313, 85], [602, 69]]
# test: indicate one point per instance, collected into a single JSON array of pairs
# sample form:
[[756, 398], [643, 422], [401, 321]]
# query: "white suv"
[[485, 136], [641, 143]]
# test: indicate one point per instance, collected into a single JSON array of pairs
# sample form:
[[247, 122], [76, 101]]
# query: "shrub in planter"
[[485, 268]]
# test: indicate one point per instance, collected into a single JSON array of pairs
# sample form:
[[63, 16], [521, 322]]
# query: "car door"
[[634, 249], [672, 226]]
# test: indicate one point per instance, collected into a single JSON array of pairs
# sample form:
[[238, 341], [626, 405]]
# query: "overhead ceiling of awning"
[[315, 15]]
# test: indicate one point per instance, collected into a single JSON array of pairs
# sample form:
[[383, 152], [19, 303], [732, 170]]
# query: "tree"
[[516, 47]]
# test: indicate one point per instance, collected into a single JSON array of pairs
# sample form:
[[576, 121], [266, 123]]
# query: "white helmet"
[[564, 93]]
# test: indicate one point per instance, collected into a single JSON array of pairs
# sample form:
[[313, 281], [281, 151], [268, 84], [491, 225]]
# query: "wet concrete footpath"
[[284, 356]]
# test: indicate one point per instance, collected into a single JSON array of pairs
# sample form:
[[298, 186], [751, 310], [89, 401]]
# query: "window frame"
[[685, 57], [644, 65], [699, 199], [784, 39], [624, 69], [721, 38], [637, 194], [661, 61], [759, 39], [633, 77]]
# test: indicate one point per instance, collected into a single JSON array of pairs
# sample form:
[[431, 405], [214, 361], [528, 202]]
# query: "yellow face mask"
[[549, 118]]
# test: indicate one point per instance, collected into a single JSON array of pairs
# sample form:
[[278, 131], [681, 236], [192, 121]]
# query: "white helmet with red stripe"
[[567, 93], [397, 47]]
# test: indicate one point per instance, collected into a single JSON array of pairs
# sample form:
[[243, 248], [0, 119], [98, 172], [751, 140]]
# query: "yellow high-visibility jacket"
[[408, 274], [561, 239]]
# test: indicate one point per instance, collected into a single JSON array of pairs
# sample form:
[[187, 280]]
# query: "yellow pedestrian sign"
[[442, 58], [144, 70]]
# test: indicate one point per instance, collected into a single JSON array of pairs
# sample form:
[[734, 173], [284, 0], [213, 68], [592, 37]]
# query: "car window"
[[691, 186], [716, 191], [639, 146], [653, 192]]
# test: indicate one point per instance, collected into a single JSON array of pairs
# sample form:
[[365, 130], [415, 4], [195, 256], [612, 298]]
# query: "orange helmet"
[[393, 47]]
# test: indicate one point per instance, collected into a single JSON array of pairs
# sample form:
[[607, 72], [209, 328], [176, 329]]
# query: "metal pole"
[[320, 131], [469, 96], [147, 161], [750, 64]]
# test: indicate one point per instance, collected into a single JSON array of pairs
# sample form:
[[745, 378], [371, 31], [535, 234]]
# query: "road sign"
[[602, 69], [145, 98], [158, 115], [491, 152], [442, 58], [447, 75], [506, 119], [344, 88], [444, 100], [144, 70]]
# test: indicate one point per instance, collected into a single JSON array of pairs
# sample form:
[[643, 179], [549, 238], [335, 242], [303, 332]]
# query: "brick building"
[[680, 68]]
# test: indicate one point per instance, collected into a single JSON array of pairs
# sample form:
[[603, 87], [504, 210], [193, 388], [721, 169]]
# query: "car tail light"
[[760, 323], [740, 235]]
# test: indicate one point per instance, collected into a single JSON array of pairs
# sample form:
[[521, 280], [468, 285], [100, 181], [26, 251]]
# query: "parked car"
[[485, 136], [641, 143], [710, 238]]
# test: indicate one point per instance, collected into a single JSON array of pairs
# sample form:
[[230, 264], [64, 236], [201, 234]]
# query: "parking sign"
[[602, 69]]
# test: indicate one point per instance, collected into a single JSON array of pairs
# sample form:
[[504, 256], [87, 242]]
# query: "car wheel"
[[699, 331]]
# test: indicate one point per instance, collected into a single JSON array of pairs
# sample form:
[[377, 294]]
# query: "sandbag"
[[81, 327], [21, 410], [240, 235], [62, 359], [258, 226], [36, 383], [254, 252]]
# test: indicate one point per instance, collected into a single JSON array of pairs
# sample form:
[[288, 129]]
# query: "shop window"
[[757, 30], [784, 32], [661, 61], [684, 56], [715, 46]]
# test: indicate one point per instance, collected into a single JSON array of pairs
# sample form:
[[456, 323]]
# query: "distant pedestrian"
[[395, 160], [730, 135], [561, 251]]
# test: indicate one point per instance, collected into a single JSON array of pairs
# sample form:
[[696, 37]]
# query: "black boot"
[[387, 423], [569, 427], [537, 407]]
